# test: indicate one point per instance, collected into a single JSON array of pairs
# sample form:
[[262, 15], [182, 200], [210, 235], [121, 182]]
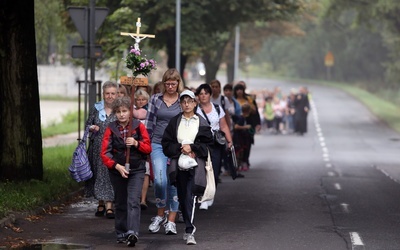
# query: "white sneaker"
[[186, 235], [156, 223], [170, 228], [210, 202], [204, 205], [191, 240]]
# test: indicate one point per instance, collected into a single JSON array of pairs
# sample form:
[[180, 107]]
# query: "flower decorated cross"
[[137, 62]]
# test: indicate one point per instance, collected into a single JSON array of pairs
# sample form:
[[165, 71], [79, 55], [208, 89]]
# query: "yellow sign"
[[329, 59]]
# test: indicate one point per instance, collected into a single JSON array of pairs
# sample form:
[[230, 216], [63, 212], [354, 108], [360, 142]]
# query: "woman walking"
[[162, 107], [215, 116], [189, 134], [99, 185]]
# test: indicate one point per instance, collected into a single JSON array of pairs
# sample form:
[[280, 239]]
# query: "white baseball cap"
[[188, 93]]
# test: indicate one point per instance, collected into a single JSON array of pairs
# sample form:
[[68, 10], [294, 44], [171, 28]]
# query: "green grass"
[[56, 183]]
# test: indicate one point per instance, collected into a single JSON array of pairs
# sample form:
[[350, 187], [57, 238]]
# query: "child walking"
[[127, 183]]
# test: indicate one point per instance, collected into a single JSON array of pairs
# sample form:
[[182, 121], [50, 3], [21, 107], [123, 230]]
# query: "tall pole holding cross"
[[133, 82]]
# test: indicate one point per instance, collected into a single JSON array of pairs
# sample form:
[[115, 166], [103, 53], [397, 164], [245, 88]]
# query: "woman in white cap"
[[187, 134]]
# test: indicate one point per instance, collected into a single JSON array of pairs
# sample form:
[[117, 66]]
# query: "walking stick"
[[128, 148]]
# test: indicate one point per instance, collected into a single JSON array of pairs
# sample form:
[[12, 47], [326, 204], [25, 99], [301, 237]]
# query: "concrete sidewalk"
[[61, 140]]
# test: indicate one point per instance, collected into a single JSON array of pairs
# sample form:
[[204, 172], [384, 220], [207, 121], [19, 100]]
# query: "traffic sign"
[[78, 51], [329, 59], [80, 17]]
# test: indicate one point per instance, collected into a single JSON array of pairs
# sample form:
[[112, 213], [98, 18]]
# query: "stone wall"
[[61, 80]]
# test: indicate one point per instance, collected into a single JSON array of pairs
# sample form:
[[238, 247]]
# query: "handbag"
[[209, 192], [219, 137], [185, 162], [80, 168]]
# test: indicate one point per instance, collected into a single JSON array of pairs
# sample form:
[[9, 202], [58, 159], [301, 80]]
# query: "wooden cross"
[[135, 81], [137, 36]]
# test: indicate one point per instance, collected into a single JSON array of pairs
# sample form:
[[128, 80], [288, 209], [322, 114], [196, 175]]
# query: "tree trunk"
[[21, 136]]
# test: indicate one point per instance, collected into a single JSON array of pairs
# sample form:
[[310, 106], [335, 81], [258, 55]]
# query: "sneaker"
[[190, 240], [186, 235], [204, 205], [156, 223], [131, 240], [170, 228]]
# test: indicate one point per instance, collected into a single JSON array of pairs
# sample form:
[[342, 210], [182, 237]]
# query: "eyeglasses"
[[171, 84], [187, 102]]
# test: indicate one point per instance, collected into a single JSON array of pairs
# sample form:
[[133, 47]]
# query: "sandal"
[[100, 211], [110, 214]]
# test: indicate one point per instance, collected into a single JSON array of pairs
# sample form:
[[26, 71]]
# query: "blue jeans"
[[166, 194]]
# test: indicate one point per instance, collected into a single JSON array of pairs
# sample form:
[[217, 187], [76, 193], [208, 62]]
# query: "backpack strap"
[[217, 108], [223, 102], [205, 115]]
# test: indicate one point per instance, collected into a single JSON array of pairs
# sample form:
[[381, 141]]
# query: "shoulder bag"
[[209, 192], [219, 135], [80, 168]]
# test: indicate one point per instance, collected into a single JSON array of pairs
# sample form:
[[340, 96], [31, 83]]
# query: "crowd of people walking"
[[140, 143], [285, 114]]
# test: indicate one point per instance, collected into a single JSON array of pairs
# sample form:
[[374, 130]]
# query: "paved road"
[[334, 188]]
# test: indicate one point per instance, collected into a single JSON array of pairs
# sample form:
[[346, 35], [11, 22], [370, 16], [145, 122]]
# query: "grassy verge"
[[56, 183]]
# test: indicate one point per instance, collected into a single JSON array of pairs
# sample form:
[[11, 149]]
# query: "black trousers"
[[184, 184]]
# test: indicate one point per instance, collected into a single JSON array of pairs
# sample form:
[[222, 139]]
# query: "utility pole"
[[92, 85], [178, 37], [236, 60], [87, 21]]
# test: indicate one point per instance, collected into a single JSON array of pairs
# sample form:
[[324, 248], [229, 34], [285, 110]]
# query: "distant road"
[[52, 111]]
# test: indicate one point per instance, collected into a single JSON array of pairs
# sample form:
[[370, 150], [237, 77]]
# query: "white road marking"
[[345, 207], [330, 173], [337, 186], [356, 239]]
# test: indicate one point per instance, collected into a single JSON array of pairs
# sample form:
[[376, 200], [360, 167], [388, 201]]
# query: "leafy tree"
[[49, 28], [358, 51], [21, 139], [206, 26], [381, 16]]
